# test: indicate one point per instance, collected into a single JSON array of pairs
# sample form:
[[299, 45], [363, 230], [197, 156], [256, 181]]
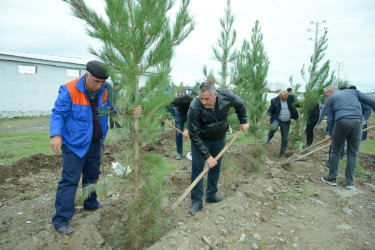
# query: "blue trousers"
[[351, 131], [73, 166], [179, 120], [198, 163]]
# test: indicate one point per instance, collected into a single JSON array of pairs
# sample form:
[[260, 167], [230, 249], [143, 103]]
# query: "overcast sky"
[[47, 27]]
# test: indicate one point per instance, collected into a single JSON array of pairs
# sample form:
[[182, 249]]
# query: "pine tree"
[[317, 79], [318, 76], [224, 53], [251, 70], [138, 39]]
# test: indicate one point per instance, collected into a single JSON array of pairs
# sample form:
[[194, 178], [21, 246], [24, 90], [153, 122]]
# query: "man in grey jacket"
[[207, 125], [344, 123]]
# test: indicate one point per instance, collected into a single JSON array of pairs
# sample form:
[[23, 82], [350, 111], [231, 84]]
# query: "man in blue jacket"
[[281, 110], [344, 123], [78, 126]]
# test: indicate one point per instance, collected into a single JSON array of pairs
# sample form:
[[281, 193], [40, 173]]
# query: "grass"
[[15, 145], [367, 147], [292, 194], [24, 121]]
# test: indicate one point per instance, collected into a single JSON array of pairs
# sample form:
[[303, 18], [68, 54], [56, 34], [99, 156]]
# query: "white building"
[[30, 83]]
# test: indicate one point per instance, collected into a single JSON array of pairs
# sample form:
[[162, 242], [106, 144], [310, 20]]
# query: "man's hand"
[[211, 162], [56, 143], [244, 127], [138, 111], [186, 134], [329, 139]]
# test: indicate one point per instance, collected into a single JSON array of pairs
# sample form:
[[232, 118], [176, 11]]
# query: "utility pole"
[[339, 66], [316, 33], [316, 40]]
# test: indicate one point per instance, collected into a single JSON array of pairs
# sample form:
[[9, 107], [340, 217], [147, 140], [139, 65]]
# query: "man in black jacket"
[[282, 110], [312, 119], [207, 126]]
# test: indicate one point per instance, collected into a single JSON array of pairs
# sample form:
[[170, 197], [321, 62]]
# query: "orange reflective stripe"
[[105, 96], [77, 96]]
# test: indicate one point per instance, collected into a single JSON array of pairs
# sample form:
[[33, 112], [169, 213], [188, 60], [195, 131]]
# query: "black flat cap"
[[97, 69]]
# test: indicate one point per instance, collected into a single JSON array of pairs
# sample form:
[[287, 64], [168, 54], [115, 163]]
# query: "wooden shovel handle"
[[205, 170], [170, 125], [315, 150], [368, 128], [316, 144]]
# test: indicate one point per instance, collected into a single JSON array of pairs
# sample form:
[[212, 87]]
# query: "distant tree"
[[251, 71], [342, 82], [224, 53], [138, 39]]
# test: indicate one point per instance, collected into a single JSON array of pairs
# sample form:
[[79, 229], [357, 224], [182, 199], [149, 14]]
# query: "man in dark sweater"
[[344, 123], [281, 110]]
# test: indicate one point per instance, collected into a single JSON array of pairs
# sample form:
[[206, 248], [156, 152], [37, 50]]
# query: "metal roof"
[[18, 56]]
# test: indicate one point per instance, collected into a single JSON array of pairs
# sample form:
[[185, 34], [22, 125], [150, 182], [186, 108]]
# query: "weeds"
[[305, 191]]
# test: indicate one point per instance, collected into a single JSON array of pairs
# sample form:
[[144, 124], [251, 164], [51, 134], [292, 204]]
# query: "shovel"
[[312, 146], [368, 128], [318, 143], [170, 125], [204, 172], [303, 156]]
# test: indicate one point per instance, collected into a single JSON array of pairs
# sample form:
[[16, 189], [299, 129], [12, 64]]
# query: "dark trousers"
[[364, 134], [198, 163], [284, 129], [179, 120], [73, 166], [345, 130], [310, 132]]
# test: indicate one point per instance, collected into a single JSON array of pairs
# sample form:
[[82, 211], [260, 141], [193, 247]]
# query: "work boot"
[[65, 229], [214, 199], [94, 208], [179, 157], [196, 207]]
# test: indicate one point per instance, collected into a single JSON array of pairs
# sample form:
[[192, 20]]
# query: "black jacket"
[[275, 108], [313, 114], [202, 126]]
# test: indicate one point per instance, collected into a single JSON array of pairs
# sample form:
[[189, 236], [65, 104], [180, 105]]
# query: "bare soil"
[[279, 207]]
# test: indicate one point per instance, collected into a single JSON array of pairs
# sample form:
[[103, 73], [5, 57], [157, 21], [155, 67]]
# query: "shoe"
[[196, 207], [306, 145], [179, 157], [349, 186], [94, 208], [328, 181], [281, 155], [214, 199], [66, 229]]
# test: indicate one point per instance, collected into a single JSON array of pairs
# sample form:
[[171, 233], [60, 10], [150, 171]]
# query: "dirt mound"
[[33, 164]]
